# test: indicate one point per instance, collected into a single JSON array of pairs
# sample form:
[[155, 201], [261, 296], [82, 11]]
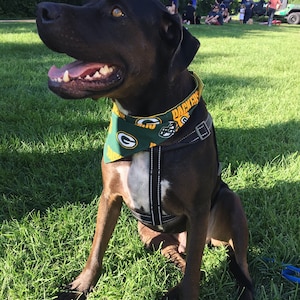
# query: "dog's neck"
[[155, 101]]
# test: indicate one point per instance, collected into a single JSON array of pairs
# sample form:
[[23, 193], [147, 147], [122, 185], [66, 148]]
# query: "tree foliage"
[[24, 8], [27, 8]]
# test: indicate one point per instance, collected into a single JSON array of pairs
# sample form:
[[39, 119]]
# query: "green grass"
[[50, 179]]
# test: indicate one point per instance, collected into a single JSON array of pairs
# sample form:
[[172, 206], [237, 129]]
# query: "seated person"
[[189, 15], [214, 17], [224, 8], [226, 16]]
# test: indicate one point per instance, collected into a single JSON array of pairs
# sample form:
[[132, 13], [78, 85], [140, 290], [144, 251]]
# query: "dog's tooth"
[[105, 70], [66, 77], [59, 79], [97, 75], [88, 77]]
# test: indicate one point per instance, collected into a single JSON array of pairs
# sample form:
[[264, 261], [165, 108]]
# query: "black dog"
[[160, 156]]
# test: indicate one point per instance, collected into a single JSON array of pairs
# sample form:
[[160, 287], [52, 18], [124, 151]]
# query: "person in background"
[[242, 13], [214, 17], [226, 15], [176, 2], [171, 7], [190, 13], [227, 3], [224, 9], [273, 5], [248, 12]]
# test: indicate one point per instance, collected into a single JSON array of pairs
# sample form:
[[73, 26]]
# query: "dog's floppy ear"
[[184, 45]]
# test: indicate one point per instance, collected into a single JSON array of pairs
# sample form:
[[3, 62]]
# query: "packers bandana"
[[128, 135]]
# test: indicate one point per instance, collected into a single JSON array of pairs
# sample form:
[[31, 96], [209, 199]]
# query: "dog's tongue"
[[75, 69]]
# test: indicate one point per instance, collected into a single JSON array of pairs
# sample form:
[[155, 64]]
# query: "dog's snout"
[[48, 12]]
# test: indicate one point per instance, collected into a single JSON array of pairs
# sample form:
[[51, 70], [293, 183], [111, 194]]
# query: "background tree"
[[24, 8]]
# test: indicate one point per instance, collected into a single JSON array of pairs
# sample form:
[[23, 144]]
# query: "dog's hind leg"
[[228, 226]]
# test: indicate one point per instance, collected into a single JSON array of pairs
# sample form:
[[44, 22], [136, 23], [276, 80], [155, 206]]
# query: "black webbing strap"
[[154, 185], [157, 217]]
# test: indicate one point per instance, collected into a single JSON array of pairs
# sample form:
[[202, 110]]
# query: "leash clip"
[[291, 273], [202, 130]]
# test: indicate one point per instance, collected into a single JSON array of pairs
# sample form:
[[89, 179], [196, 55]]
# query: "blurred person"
[[249, 4], [242, 13], [273, 5], [189, 16], [214, 17], [171, 7]]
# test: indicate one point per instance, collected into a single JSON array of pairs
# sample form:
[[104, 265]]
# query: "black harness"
[[157, 217]]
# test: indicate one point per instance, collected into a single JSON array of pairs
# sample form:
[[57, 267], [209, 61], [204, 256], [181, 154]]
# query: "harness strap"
[[146, 219], [154, 185], [156, 217], [201, 132]]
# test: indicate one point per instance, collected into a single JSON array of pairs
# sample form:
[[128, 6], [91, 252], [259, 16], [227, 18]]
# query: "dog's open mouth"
[[80, 79]]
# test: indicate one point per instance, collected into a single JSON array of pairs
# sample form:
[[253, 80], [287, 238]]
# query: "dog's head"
[[119, 46]]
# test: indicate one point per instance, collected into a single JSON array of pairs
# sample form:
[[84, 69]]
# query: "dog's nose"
[[48, 12]]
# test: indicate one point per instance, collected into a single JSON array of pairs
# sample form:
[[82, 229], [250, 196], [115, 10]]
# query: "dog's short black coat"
[[137, 53]]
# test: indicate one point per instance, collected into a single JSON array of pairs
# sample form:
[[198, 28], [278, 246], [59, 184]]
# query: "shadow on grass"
[[258, 145], [272, 214], [42, 163], [33, 180], [37, 180]]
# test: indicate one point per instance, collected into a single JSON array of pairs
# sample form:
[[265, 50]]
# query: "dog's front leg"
[[108, 214], [189, 286]]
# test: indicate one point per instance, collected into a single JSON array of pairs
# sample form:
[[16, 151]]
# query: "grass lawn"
[[50, 179]]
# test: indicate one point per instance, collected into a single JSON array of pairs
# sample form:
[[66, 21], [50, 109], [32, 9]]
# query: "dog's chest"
[[138, 179]]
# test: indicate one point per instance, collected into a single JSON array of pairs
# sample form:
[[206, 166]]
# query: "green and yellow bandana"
[[128, 135]]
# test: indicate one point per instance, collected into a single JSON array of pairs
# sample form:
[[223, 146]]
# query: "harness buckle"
[[202, 130]]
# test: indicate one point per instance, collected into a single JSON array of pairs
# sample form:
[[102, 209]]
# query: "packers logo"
[[126, 140], [149, 123], [184, 119], [168, 130]]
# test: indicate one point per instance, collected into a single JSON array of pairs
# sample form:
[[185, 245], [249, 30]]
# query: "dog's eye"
[[117, 12]]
